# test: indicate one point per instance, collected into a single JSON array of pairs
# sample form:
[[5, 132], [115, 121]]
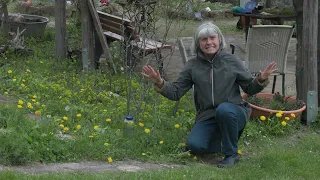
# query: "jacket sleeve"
[[174, 91], [247, 82]]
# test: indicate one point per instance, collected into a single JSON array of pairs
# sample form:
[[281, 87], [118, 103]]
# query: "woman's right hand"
[[153, 75]]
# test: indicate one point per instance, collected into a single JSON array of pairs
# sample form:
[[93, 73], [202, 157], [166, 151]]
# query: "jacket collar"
[[211, 61]]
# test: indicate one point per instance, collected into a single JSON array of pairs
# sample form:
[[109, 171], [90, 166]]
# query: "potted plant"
[[265, 104]]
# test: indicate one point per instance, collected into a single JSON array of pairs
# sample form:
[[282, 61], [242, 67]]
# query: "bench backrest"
[[117, 25]]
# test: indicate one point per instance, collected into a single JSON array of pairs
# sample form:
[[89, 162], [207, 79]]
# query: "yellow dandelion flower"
[[66, 129], [20, 102], [61, 125], [195, 158], [19, 106], [78, 127], [279, 115], [176, 126], [262, 118], [281, 112], [147, 131], [95, 127], [283, 123], [33, 100], [287, 118], [239, 151], [23, 80], [28, 70], [182, 144], [38, 112], [78, 115], [22, 85], [34, 96], [292, 115], [29, 105], [9, 71], [65, 118], [108, 120], [143, 154], [110, 160], [160, 142], [6, 93], [141, 124]]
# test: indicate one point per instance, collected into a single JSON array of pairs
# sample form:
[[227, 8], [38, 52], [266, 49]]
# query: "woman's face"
[[210, 45]]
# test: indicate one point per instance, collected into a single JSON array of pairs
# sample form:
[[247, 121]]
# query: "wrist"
[[262, 78], [160, 82]]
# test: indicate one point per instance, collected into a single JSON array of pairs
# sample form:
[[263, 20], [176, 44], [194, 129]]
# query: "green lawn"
[[294, 157]]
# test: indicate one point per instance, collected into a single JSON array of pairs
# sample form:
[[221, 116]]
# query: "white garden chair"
[[267, 43]]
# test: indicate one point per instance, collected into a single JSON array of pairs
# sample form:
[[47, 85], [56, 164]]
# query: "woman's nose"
[[209, 41]]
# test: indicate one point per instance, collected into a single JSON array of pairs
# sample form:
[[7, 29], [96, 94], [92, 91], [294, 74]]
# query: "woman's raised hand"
[[271, 68], [152, 74]]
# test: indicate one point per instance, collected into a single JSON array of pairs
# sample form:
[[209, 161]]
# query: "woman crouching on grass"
[[216, 76]]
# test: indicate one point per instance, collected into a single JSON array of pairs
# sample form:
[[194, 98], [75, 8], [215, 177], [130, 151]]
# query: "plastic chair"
[[267, 43]]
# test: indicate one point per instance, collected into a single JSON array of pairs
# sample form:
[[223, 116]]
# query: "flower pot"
[[260, 111], [34, 25]]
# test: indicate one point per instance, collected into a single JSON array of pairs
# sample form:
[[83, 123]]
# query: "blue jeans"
[[208, 136]]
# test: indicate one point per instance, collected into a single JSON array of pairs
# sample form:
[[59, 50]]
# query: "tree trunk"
[[60, 24], [318, 52], [298, 6]]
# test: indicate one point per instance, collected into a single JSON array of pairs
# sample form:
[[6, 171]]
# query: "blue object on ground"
[[249, 7]]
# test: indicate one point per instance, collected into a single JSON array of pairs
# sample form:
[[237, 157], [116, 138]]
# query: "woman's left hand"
[[271, 68]]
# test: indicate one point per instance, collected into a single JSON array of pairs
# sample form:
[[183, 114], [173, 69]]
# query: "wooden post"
[[60, 25], [309, 56], [268, 4], [88, 62], [4, 24]]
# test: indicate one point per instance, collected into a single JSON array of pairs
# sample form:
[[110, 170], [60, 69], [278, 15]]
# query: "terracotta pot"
[[260, 111]]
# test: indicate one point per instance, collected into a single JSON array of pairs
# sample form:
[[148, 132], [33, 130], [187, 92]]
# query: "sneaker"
[[229, 161]]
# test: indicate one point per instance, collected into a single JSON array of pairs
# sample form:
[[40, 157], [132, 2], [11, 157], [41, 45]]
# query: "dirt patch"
[[89, 166], [6, 100]]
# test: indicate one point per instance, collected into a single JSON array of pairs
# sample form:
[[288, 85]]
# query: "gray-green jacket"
[[215, 82]]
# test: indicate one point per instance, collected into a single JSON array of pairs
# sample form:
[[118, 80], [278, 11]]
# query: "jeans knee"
[[225, 109], [196, 147]]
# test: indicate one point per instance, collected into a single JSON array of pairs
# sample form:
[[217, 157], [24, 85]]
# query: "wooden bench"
[[120, 29]]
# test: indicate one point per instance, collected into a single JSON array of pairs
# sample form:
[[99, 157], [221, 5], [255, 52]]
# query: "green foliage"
[[80, 116]]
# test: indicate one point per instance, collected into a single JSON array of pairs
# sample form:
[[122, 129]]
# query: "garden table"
[[275, 17]]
